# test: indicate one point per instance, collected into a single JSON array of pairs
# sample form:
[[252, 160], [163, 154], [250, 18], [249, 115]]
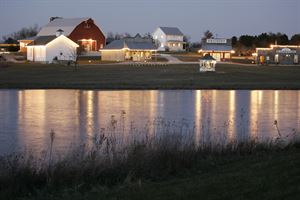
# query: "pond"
[[76, 116]]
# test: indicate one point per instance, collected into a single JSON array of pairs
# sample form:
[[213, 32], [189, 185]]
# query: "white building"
[[169, 39], [48, 48]]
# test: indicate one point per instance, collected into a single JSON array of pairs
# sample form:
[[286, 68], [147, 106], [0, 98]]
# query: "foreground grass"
[[163, 168], [114, 76], [263, 176]]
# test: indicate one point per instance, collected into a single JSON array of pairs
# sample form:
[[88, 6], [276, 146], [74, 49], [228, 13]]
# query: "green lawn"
[[273, 175], [228, 76]]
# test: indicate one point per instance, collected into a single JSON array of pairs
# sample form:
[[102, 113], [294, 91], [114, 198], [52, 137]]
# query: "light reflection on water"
[[27, 116]]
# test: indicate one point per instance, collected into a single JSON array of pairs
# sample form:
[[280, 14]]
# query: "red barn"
[[83, 31]]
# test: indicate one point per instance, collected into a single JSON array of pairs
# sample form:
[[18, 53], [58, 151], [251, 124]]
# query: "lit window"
[[173, 44], [179, 44], [155, 37], [162, 36]]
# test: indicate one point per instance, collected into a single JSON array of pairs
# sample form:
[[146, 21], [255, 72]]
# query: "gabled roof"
[[29, 38], [171, 31], [136, 43], [216, 44], [67, 25], [207, 57], [42, 40]]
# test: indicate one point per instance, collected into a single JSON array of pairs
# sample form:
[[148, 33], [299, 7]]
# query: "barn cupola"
[[59, 32]]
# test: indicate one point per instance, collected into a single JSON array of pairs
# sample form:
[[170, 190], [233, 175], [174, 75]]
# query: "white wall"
[[160, 36], [113, 55], [36, 53], [61, 48]]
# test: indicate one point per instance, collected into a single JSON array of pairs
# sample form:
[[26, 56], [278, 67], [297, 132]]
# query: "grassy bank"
[[228, 76], [164, 168]]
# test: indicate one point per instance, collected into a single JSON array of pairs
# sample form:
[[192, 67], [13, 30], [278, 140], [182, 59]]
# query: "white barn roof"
[[67, 25]]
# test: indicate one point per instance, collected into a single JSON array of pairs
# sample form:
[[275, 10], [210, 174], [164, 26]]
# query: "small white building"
[[207, 64], [48, 48], [169, 39]]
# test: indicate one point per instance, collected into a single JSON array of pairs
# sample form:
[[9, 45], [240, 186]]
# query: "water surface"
[[76, 116]]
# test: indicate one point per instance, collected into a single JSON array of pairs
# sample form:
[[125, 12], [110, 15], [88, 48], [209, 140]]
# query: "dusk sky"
[[225, 18]]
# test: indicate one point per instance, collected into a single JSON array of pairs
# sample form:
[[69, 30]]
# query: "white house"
[[49, 48], [169, 39]]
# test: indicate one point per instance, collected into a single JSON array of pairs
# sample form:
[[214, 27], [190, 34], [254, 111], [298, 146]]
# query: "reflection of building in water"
[[276, 102], [32, 119], [88, 115], [198, 115], [231, 115], [255, 106]]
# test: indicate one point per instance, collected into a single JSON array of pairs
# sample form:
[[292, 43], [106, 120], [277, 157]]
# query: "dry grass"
[[105, 163]]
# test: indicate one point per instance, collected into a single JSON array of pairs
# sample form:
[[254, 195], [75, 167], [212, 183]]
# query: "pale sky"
[[225, 18]]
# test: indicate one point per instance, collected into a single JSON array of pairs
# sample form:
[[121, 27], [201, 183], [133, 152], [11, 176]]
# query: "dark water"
[[27, 116]]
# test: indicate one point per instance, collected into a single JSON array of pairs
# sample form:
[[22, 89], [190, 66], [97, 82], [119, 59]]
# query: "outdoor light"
[[232, 51]]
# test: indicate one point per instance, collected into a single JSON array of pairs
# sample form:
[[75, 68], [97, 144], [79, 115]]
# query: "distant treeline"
[[246, 44]]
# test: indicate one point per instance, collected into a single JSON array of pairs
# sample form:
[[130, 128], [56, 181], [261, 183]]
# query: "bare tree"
[[207, 35], [23, 33], [74, 56]]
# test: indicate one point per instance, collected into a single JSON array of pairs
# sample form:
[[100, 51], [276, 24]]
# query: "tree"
[[234, 41], [23, 33], [246, 40], [295, 39], [207, 35], [186, 39]]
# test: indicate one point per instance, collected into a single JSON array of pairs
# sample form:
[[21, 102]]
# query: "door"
[[296, 59]]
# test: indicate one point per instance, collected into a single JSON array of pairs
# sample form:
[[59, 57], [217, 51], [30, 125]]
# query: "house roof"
[[137, 43], [171, 31], [207, 57], [29, 38], [67, 25], [42, 40], [216, 47]]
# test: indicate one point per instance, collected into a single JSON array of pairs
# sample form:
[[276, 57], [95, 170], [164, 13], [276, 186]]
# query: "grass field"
[[167, 171], [114, 76]]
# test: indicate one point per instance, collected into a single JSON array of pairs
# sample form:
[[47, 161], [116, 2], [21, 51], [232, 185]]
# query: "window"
[[162, 36], [179, 44], [87, 25]]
